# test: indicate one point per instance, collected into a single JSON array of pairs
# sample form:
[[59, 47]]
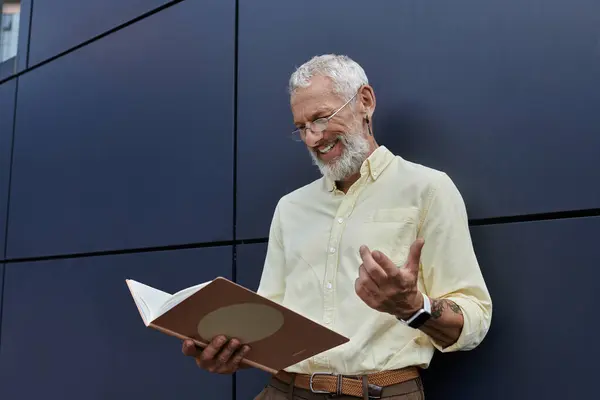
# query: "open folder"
[[278, 337]]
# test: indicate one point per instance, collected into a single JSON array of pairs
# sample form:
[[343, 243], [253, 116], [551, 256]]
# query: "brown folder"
[[278, 336]]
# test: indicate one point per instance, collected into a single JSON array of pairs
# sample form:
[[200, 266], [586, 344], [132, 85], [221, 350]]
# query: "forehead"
[[316, 98]]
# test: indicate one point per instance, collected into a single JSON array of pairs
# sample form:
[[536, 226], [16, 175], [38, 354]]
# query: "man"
[[378, 249]]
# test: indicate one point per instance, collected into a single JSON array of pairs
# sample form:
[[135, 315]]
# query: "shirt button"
[[332, 249], [329, 286], [340, 220]]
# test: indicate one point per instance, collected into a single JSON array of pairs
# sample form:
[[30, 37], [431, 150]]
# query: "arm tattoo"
[[438, 306]]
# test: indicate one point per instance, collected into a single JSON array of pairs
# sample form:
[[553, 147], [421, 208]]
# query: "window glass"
[[9, 29]]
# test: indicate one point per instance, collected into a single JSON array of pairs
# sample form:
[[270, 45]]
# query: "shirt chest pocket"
[[391, 231]]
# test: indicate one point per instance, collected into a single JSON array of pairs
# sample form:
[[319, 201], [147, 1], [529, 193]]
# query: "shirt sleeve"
[[272, 281], [449, 266]]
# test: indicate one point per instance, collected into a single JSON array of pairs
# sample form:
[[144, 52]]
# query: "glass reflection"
[[9, 29]]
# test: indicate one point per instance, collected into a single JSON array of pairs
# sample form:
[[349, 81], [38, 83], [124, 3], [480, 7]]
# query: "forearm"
[[446, 322]]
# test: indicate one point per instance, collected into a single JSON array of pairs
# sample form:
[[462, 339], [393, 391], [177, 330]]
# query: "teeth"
[[328, 148]]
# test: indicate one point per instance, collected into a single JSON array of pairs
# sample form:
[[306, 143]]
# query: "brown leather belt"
[[325, 382]]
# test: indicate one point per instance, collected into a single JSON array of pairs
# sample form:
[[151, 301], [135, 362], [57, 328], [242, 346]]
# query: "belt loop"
[[365, 387], [338, 389], [292, 386]]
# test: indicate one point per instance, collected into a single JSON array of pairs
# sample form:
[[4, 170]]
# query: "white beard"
[[355, 152]]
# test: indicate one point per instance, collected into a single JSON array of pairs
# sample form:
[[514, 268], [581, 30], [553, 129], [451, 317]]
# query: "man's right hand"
[[220, 356]]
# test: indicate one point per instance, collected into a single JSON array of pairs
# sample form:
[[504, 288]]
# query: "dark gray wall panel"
[[7, 107], [7, 68], [543, 278], [250, 260], [58, 25], [502, 95], [72, 327], [128, 142]]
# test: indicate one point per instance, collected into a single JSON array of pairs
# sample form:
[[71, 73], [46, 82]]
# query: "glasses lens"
[[319, 125]]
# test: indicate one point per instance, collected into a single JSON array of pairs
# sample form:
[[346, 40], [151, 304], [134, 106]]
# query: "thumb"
[[414, 256]]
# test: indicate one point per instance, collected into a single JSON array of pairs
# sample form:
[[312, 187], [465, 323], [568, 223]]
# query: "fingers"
[[366, 289], [226, 352], [373, 269], [234, 362], [221, 356], [385, 263], [366, 283], [189, 348], [365, 294], [210, 352], [228, 360]]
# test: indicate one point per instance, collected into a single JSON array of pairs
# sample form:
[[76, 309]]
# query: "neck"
[[347, 183]]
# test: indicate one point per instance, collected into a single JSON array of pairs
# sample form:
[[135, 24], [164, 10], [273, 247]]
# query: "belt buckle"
[[310, 381], [374, 391]]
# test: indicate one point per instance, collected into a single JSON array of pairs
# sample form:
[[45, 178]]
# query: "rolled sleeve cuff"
[[474, 329]]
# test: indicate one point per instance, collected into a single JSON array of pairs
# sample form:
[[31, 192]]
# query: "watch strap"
[[421, 316]]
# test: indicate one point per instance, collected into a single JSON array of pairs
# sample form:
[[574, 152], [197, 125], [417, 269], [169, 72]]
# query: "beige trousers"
[[277, 390]]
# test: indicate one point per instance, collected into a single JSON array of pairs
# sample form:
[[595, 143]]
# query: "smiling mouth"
[[328, 148]]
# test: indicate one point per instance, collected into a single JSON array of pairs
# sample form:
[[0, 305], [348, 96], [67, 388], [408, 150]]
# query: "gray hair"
[[346, 74]]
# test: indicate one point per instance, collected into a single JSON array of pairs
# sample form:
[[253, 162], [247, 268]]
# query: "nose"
[[311, 138]]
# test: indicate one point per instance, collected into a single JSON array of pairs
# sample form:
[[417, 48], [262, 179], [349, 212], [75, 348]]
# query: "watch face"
[[420, 320]]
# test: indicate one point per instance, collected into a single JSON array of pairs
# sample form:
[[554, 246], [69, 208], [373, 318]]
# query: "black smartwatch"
[[421, 316]]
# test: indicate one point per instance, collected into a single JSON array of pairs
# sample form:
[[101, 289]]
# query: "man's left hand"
[[385, 287]]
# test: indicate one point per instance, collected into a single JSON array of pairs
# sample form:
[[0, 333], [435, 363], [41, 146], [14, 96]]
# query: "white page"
[[148, 299], [179, 297]]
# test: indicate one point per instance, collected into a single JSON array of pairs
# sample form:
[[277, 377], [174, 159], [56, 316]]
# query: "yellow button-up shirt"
[[313, 259]]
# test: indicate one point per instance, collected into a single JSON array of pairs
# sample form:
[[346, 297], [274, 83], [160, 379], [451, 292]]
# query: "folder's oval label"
[[248, 322]]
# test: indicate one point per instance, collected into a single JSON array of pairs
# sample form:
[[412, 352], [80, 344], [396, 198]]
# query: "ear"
[[367, 99]]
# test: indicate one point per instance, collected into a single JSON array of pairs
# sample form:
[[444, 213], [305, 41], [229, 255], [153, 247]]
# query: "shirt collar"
[[373, 166]]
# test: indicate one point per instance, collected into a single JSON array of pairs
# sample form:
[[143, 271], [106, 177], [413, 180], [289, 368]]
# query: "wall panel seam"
[[29, 34], [135, 251], [7, 211], [509, 219], [235, 153]]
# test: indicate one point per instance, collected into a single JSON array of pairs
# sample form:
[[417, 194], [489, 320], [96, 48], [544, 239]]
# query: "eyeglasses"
[[318, 125]]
